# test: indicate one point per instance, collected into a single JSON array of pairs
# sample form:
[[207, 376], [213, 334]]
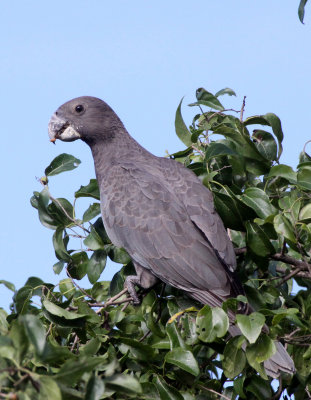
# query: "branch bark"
[[301, 265]]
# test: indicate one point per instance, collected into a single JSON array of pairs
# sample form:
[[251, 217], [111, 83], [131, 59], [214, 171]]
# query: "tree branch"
[[301, 265]]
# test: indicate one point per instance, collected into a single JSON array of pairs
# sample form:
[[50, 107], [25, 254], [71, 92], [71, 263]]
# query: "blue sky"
[[141, 58]]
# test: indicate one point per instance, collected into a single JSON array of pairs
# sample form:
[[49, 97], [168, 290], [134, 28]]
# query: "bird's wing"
[[199, 204], [146, 217]]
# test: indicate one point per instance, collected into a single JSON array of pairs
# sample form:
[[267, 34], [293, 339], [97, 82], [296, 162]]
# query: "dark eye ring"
[[79, 108]]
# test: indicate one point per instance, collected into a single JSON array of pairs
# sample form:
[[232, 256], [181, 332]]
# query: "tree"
[[92, 343]]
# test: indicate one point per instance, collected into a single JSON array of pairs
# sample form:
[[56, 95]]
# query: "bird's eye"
[[79, 108]]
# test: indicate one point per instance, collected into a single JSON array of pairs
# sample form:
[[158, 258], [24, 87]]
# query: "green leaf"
[[234, 357], [90, 190], [304, 178], [180, 127], [49, 389], [4, 325], [96, 265], [59, 245], [123, 383], [228, 91], [94, 241], [166, 391], [35, 332], [61, 163], [67, 288], [91, 347], [257, 240], [95, 388], [43, 199], [283, 171], [6, 349], [116, 284], [151, 321], [139, 350], [150, 391], [260, 351], [60, 312], [72, 370], [8, 285], [20, 340], [22, 299], [265, 144], [260, 388], [271, 120], [119, 255], [238, 386], [263, 349], [176, 341], [218, 149], [251, 325], [61, 210], [207, 99], [229, 211], [259, 201], [78, 265], [305, 214], [183, 359], [301, 10], [211, 323], [91, 212], [58, 267], [284, 227]]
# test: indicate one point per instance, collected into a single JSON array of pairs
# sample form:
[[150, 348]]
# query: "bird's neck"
[[114, 150]]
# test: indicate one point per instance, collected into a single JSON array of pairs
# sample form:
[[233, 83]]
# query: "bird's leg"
[[130, 283], [143, 279]]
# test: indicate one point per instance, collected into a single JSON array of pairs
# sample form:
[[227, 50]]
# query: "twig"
[[103, 305], [145, 335], [240, 250], [77, 286], [125, 306], [302, 265], [214, 391], [278, 393], [242, 109], [112, 300], [76, 339], [198, 150], [289, 276], [20, 380], [34, 383], [67, 215]]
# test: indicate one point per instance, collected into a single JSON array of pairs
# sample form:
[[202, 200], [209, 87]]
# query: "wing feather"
[[152, 214]]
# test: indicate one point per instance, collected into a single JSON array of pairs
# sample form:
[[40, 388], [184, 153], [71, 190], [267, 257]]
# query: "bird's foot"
[[130, 283]]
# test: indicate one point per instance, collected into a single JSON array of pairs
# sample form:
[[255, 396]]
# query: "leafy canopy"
[[68, 342]]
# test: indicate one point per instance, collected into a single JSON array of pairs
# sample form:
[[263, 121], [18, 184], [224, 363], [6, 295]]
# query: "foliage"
[[65, 342], [301, 10]]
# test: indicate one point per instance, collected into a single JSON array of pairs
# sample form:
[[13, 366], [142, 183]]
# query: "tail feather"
[[279, 362]]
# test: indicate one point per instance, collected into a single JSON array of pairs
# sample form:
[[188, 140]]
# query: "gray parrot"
[[159, 212]]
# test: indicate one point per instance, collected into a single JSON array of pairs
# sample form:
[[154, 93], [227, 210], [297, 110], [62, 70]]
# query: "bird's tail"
[[279, 362]]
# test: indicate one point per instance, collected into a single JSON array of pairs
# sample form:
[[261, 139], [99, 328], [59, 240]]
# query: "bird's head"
[[87, 118]]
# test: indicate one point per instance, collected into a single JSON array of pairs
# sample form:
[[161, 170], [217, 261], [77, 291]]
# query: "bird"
[[159, 212]]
